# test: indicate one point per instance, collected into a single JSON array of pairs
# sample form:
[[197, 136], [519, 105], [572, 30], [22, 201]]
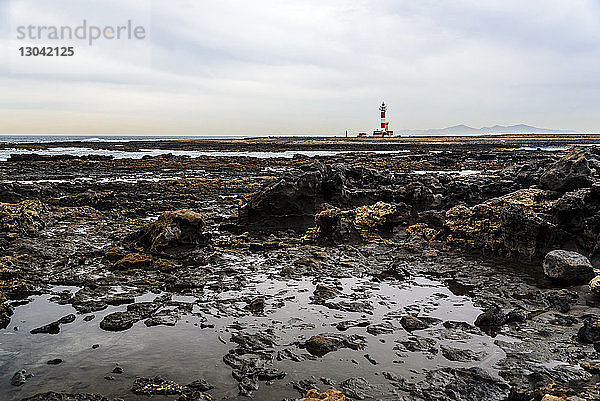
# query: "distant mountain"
[[466, 130]]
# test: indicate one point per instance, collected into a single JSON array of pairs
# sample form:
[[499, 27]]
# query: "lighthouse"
[[384, 129], [384, 122]]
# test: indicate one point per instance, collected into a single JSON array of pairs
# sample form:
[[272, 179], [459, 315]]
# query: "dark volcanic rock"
[[251, 361], [351, 306], [578, 169], [253, 342], [270, 374], [20, 378], [449, 384], [515, 225], [256, 305], [334, 226], [90, 306], [393, 272], [249, 369], [173, 229], [381, 216], [589, 333], [568, 266], [305, 386], [5, 312], [301, 196], [381, 328], [516, 316], [323, 292], [461, 355], [321, 345], [54, 327], [52, 396], [412, 323], [560, 300], [492, 317], [324, 343], [142, 310], [118, 321], [290, 196], [200, 385], [528, 223], [356, 388], [346, 324]]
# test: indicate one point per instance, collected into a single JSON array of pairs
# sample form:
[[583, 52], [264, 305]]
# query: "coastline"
[[370, 273]]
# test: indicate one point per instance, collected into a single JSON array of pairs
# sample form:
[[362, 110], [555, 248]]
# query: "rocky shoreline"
[[452, 271]]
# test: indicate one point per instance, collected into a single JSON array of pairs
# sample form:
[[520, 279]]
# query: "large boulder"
[[578, 169], [335, 226], [515, 225], [528, 223], [173, 229], [380, 216], [296, 196], [578, 213], [568, 266], [294, 199]]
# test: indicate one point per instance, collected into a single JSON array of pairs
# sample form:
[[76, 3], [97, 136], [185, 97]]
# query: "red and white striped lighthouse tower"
[[384, 129], [384, 122]]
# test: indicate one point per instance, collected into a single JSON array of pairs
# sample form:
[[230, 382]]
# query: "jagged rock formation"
[[172, 229]]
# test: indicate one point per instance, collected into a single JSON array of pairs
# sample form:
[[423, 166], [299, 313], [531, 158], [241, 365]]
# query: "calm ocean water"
[[118, 154], [98, 138], [5, 153]]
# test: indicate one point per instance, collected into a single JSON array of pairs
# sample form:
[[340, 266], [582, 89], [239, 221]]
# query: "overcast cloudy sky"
[[320, 67]]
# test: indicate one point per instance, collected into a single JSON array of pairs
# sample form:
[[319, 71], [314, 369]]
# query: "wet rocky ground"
[[412, 275]]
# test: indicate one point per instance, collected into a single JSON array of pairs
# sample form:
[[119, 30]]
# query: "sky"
[[315, 67]]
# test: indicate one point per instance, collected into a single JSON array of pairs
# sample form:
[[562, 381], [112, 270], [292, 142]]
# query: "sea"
[[6, 152], [105, 138]]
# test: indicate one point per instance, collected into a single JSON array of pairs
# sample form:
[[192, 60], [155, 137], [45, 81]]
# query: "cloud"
[[239, 67]]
